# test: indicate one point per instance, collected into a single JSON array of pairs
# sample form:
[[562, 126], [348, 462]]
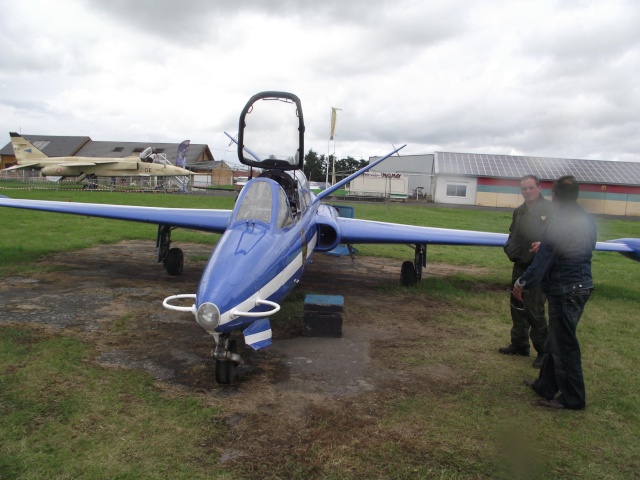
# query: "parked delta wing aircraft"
[[147, 165], [268, 238]]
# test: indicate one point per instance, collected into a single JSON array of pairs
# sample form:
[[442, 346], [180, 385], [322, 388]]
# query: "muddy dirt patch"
[[111, 296]]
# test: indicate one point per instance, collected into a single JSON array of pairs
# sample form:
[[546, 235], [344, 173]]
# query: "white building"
[[378, 184], [418, 169]]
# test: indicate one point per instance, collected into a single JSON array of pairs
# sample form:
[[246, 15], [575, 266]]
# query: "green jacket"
[[526, 227]]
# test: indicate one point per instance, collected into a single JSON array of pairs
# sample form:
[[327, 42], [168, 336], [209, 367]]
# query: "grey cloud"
[[504, 125], [435, 75], [20, 54], [187, 20], [585, 48], [23, 105], [42, 51], [190, 20], [397, 40]]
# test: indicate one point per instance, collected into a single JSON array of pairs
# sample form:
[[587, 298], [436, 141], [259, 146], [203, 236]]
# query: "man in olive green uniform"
[[525, 233]]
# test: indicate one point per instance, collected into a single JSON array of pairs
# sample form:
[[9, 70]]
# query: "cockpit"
[[271, 138], [265, 202]]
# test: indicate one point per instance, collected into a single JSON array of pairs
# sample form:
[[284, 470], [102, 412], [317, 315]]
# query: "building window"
[[456, 190]]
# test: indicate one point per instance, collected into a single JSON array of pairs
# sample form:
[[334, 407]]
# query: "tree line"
[[315, 166]]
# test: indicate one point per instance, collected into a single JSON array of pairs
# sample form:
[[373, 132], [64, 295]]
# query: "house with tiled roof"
[[199, 157]]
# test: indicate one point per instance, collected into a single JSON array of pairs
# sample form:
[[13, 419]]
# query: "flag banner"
[[333, 121], [181, 159]]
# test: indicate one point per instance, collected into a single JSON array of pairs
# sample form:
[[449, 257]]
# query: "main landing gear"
[[411, 272], [227, 359], [172, 258]]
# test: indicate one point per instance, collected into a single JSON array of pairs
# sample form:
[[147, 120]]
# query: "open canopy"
[[271, 132]]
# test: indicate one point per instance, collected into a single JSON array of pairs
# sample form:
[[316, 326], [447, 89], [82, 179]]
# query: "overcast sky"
[[545, 78]]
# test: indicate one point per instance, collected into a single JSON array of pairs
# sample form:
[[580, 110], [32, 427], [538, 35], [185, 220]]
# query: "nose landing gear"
[[227, 360]]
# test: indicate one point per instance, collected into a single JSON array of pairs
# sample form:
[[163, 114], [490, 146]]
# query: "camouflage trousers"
[[531, 322]]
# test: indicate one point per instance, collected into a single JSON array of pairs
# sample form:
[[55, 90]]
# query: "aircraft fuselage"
[[261, 256], [122, 167]]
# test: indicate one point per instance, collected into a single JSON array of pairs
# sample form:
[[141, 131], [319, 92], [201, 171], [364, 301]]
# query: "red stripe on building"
[[546, 185], [508, 182]]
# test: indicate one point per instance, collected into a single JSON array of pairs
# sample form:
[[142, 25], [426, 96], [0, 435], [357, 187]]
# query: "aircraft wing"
[[114, 161], [94, 163], [24, 165], [198, 219], [355, 231], [63, 164], [76, 164], [365, 231]]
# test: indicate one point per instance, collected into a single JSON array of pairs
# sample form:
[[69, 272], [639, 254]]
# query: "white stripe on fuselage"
[[272, 286]]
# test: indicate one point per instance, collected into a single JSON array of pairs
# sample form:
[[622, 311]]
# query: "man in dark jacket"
[[562, 266], [528, 319]]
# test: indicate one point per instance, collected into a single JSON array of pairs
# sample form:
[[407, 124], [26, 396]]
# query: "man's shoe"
[[532, 385], [511, 350], [553, 403], [537, 363]]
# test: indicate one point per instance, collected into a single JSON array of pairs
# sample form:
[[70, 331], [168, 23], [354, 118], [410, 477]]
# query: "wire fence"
[[124, 184]]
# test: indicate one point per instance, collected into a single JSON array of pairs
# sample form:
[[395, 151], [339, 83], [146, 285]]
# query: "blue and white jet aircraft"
[[270, 235]]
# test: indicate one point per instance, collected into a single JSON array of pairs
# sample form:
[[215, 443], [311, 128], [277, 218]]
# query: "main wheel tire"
[[174, 262], [408, 274], [225, 369]]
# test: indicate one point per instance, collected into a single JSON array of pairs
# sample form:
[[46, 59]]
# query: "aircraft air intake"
[[328, 237]]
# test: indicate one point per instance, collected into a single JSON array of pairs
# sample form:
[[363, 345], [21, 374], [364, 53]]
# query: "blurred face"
[[530, 191]]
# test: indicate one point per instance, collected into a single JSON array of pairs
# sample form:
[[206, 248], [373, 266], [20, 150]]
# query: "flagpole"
[[333, 161], [334, 111], [326, 173]]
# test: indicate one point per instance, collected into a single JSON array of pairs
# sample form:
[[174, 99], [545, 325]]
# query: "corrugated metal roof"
[[66, 146], [209, 166], [509, 166], [126, 149], [420, 164], [53, 146]]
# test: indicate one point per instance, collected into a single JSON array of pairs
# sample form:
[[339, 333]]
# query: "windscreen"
[[257, 203]]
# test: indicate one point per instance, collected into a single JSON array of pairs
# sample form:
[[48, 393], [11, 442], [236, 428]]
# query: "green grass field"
[[63, 416]]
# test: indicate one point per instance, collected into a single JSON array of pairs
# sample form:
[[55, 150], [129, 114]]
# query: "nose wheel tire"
[[226, 369]]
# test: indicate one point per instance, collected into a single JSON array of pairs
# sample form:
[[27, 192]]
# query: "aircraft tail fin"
[[25, 151], [343, 182], [181, 159]]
